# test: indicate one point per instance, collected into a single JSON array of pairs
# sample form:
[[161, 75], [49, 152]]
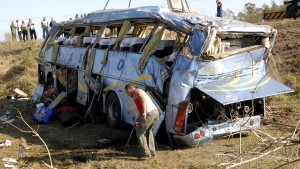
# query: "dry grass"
[[18, 67], [285, 63]]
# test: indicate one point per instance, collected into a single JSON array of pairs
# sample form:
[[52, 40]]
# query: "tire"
[[113, 110]]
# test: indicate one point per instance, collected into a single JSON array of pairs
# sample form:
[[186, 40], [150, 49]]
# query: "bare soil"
[[77, 146]]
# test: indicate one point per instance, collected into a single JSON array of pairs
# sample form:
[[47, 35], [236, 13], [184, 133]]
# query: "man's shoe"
[[144, 156]]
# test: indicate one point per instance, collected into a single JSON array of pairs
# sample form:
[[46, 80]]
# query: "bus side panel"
[[151, 76], [48, 54], [70, 57], [97, 63], [129, 75], [112, 74], [158, 72]]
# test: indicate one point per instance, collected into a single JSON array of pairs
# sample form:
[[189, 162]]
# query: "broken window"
[[224, 45]]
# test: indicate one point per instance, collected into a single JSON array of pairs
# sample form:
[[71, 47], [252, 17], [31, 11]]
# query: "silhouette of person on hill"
[[24, 29], [13, 29], [19, 30], [31, 29]]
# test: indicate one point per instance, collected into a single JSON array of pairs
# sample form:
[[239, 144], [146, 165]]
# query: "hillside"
[[285, 63], [18, 67]]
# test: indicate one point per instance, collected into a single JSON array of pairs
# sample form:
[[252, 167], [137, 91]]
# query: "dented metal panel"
[[234, 90], [184, 73], [70, 57], [82, 93], [97, 63], [240, 64], [184, 22], [209, 131], [48, 54], [229, 25]]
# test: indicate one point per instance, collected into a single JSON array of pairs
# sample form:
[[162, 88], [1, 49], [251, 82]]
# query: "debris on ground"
[[23, 151], [43, 115], [6, 118], [20, 93], [39, 105], [8, 162], [9, 166], [7, 143]]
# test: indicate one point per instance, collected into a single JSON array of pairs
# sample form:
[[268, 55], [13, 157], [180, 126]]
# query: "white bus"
[[207, 75]]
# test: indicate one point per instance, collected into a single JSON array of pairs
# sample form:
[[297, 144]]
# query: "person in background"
[[19, 30], [76, 16], [13, 29], [219, 8], [45, 27], [147, 118], [31, 29], [24, 29], [52, 22]]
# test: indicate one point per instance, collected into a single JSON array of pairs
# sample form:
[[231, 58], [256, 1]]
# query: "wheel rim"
[[113, 111]]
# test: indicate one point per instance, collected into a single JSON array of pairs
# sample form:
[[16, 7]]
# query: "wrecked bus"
[[207, 75]]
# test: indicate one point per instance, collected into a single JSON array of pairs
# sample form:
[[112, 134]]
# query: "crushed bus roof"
[[182, 21]]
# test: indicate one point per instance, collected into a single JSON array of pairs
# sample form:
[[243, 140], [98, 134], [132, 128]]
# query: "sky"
[[64, 9]]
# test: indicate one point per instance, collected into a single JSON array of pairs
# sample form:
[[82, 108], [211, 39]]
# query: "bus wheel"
[[113, 110]]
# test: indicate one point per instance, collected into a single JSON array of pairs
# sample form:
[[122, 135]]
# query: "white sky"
[[64, 9]]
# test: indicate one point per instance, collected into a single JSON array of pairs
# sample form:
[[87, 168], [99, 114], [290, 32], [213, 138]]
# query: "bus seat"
[[136, 44], [112, 43], [74, 40], [125, 44], [86, 41], [165, 48], [61, 40], [103, 43], [68, 41]]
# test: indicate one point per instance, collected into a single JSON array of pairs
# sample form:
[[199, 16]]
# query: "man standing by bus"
[[219, 8], [147, 118]]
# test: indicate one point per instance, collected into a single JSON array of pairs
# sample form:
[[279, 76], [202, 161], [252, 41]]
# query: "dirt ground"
[[77, 147]]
